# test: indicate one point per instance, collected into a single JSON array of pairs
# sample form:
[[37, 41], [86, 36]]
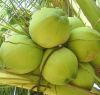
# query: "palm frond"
[[11, 90], [19, 12]]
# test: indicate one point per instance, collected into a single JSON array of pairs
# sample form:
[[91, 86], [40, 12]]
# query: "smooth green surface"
[[84, 79], [61, 67], [20, 55], [75, 22], [84, 42], [49, 27]]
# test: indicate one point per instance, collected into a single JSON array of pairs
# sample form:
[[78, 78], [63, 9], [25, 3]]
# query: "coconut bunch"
[[59, 49]]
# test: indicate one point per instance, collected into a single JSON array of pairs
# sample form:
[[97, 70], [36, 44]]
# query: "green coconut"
[[84, 42], [84, 78], [65, 90], [61, 66], [49, 27], [20, 55], [96, 63], [75, 22]]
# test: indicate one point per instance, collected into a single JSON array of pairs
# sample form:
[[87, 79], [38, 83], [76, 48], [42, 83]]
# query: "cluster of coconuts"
[[62, 48]]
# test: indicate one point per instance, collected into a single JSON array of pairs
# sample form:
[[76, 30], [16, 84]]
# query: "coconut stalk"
[[91, 11], [27, 81], [22, 81]]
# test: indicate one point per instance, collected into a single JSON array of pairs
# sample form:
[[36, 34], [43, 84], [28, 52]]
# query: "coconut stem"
[[91, 11]]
